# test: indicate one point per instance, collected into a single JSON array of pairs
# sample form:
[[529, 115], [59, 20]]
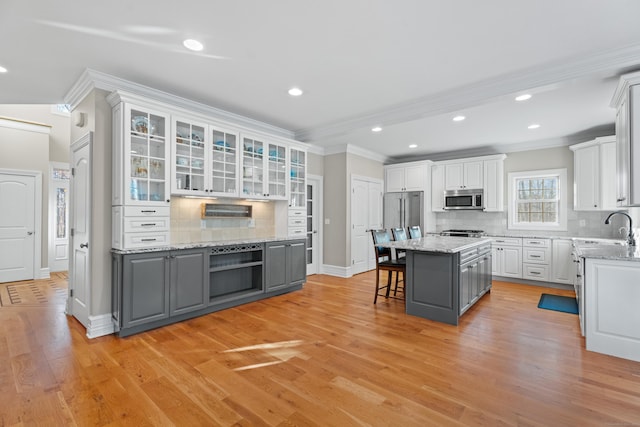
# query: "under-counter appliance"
[[462, 233], [403, 209], [467, 199]]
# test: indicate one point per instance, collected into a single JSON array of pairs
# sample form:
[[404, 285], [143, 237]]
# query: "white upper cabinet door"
[[394, 179], [608, 175], [223, 162], [586, 174], [473, 174], [493, 185], [189, 147], [437, 188], [405, 178], [415, 177], [464, 175]]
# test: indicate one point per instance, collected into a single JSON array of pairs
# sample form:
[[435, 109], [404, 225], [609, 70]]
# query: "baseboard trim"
[[44, 273], [334, 270], [100, 326]]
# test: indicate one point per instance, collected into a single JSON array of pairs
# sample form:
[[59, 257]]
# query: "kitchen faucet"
[[630, 240]]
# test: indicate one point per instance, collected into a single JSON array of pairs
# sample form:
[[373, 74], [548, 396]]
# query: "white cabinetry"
[[437, 188], [223, 162], [563, 269], [463, 175], [297, 214], [264, 169], [493, 184], [405, 177], [506, 253], [536, 259], [627, 139], [140, 176], [595, 174], [189, 145], [611, 307]]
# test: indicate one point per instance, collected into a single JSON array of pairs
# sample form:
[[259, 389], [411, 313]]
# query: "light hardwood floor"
[[324, 355]]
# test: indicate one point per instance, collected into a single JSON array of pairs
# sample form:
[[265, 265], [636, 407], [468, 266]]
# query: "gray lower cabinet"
[[153, 289], [442, 286], [474, 276], [286, 264]]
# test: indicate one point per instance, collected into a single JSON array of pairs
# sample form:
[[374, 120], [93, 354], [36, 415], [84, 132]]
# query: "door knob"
[[84, 245], [29, 233], [315, 231]]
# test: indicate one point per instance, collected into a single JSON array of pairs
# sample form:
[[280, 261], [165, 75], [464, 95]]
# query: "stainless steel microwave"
[[464, 199]]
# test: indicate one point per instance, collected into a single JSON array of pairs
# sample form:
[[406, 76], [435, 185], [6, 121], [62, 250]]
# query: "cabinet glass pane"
[[252, 167], [277, 171], [223, 162], [297, 179], [147, 157], [190, 156]]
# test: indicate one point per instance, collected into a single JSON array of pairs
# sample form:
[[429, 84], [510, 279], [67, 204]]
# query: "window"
[[538, 200]]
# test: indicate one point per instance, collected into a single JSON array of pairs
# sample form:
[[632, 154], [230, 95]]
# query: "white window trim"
[[562, 196]]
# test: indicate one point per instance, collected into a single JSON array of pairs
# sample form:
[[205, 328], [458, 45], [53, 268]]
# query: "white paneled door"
[[366, 214], [17, 226], [79, 274]]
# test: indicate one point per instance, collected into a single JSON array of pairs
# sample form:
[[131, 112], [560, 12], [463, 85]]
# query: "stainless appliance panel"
[[403, 209]]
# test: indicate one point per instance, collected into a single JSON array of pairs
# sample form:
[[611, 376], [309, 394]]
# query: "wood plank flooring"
[[323, 356]]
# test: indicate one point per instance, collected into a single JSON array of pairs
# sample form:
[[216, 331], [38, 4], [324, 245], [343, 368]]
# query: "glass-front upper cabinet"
[[146, 154], [189, 158], [298, 175], [264, 169], [277, 165], [223, 162]]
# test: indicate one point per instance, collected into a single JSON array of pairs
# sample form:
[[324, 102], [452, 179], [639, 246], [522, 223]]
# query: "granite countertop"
[[608, 251], [197, 245], [445, 244]]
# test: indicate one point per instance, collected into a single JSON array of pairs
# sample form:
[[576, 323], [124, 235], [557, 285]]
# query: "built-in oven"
[[472, 199], [578, 285]]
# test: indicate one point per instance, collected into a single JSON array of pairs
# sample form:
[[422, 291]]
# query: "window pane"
[[535, 207], [551, 183], [550, 194], [523, 207], [523, 217], [535, 217], [523, 184], [523, 194], [550, 207], [550, 217]]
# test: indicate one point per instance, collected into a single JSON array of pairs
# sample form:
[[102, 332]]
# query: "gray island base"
[[445, 275]]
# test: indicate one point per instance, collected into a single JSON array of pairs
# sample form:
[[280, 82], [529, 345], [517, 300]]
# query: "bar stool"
[[415, 232], [385, 262]]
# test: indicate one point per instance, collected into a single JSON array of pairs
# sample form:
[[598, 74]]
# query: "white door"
[[314, 231], [366, 214], [79, 279], [17, 226], [59, 175]]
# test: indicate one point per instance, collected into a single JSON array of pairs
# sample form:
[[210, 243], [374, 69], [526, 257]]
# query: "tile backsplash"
[[579, 224], [188, 227]]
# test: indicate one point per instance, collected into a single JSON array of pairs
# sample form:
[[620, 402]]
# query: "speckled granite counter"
[[608, 251], [195, 245], [442, 244]]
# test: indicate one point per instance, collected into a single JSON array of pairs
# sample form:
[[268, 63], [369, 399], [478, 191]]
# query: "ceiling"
[[407, 66]]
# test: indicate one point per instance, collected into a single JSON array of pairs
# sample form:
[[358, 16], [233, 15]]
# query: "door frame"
[[318, 208], [38, 271], [86, 139]]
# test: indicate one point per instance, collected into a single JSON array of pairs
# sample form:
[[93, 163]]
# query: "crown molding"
[[355, 150], [92, 79], [626, 80], [603, 65]]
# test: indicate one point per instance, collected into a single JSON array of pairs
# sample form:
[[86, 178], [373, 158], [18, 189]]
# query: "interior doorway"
[[366, 214], [314, 224], [20, 225], [59, 176]]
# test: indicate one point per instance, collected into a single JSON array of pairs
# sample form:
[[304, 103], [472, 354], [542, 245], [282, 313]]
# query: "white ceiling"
[[406, 65]]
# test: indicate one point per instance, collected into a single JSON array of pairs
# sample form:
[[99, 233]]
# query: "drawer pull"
[[534, 256], [535, 272], [147, 211], [148, 240], [151, 224]]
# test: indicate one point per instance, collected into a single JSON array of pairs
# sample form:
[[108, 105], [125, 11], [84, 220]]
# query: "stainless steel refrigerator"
[[404, 209]]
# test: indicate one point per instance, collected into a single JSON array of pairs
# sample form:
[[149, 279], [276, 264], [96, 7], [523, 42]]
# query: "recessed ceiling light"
[[459, 118], [523, 97], [295, 91], [3, 70], [533, 126], [192, 44], [413, 146], [376, 129]]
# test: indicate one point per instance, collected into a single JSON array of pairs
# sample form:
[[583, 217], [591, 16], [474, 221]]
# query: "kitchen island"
[[445, 275]]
